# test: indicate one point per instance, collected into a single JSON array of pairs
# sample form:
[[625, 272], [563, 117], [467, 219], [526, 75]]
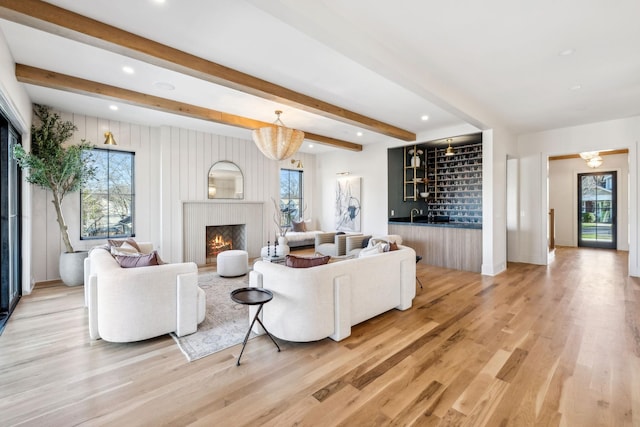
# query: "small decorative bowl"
[[425, 195]]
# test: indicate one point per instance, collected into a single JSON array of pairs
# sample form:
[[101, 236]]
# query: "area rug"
[[225, 323]]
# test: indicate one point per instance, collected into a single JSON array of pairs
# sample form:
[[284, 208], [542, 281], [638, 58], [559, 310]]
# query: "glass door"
[[10, 281], [597, 223]]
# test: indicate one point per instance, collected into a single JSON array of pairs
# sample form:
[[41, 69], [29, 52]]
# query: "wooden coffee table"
[[253, 296]]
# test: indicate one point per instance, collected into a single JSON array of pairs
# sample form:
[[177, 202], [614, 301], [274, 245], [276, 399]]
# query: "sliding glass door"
[[10, 289], [597, 210]]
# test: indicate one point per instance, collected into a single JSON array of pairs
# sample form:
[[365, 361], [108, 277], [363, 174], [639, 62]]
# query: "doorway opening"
[[597, 204]]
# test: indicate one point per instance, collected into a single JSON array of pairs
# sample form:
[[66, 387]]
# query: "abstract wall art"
[[348, 210]]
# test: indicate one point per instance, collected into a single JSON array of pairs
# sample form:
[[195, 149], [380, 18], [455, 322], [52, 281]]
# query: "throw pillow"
[[301, 262], [299, 226], [373, 241], [119, 243], [378, 248], [393, 246], [365, 242], [133, 261], [125, 249]]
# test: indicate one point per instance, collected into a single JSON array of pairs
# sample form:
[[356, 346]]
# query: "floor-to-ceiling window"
[[10, 277], [597, 221]]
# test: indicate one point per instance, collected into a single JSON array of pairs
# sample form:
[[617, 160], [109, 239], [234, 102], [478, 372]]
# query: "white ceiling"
[[486, 64]]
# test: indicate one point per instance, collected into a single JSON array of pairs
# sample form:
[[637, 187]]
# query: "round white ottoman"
[[233, 263]]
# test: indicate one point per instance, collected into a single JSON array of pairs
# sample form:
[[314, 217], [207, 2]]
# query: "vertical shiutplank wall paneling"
[[171, 168]]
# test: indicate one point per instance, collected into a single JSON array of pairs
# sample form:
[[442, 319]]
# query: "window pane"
[[107, 200], [291, 201]]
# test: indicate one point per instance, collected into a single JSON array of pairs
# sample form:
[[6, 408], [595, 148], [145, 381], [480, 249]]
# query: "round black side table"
[[253, 296]]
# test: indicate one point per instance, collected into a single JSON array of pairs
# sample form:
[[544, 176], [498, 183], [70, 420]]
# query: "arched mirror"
[[225, 181]]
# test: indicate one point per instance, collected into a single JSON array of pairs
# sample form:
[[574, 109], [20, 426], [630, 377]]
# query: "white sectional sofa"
[[133, 304], [313, 303]]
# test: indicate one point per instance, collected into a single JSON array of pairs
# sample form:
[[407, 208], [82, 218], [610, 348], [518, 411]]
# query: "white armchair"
[[133, 304]]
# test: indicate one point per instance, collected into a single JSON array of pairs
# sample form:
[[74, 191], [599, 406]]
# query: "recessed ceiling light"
[[164, 86], [127, 69], [359, 133], [576, 87], [159, 1], [310, 145], [567, 52], [113, 107], [424, 118]]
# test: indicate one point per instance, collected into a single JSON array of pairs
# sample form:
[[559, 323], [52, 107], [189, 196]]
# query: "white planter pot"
[[72, 267]]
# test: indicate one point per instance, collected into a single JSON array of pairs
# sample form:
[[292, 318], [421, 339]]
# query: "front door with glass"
[[597, 210]]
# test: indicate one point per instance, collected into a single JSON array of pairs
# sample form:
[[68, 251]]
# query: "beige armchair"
[[353, 244], [331, 244]]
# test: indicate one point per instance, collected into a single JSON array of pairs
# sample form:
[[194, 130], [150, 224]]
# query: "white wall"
[[534, 150], [371, 166], [563, 196], [14, 101], [498, 144], [171, 167]]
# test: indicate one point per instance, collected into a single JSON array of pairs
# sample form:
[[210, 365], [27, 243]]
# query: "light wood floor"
[[556, 345]]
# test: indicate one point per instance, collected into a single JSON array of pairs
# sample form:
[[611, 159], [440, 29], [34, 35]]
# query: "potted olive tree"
[[60, 168]]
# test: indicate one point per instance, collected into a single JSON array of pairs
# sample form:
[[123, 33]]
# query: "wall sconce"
[[109, 139], [343, 173], [298, 163]]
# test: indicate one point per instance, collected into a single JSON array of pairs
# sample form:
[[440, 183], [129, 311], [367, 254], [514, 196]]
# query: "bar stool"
[[418, 258]]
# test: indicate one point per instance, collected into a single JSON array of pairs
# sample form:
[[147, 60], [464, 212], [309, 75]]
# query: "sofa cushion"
[[302, 262], [342, 258], [299, 226], [140, 260]]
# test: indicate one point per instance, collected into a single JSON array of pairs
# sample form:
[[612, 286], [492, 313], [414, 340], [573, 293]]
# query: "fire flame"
[[218, 244]]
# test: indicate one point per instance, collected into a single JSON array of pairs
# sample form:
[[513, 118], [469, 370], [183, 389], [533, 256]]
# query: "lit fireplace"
[[217, 245], [220, 238]]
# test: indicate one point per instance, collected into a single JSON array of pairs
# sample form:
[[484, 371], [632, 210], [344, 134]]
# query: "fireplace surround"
[[197, 215]]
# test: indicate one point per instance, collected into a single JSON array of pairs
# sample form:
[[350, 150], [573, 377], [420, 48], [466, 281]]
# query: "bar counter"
[[450, 245]]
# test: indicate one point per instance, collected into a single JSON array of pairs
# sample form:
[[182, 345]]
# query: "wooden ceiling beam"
[[53, 80], [601, 153], [53, 19]]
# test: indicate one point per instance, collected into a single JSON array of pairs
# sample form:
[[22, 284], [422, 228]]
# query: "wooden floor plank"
[[555, 345]]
